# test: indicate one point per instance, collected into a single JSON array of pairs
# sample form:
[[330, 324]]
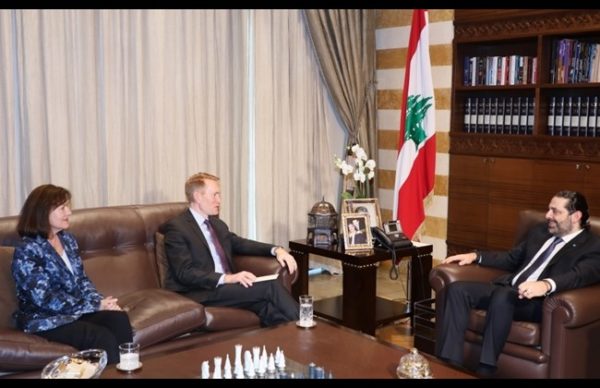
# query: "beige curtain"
[[294, 160], [121, 106], [344, 42]]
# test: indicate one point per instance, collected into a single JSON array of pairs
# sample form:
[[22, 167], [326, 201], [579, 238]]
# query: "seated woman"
[[57, 300]]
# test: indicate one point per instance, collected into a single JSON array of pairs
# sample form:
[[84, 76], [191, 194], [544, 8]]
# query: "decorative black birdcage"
[[322, 224]]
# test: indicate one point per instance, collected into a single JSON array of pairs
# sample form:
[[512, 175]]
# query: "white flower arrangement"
[[362, 169]]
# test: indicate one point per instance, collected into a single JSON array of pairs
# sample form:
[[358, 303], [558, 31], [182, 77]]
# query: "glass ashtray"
[[87, 364], [413, 366]]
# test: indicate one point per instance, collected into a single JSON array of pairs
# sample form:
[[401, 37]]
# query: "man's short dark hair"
[[576, 202]]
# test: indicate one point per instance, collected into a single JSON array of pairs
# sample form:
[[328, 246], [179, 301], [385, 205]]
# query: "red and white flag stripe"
[[415, 166]]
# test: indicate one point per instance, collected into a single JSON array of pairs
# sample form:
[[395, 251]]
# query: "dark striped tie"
[[540, 260], [219, 248]]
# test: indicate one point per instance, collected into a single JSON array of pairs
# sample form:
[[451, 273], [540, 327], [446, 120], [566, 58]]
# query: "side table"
[[359, 307]]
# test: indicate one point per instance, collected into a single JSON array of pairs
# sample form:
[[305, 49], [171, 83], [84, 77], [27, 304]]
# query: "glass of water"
[[306, 311]]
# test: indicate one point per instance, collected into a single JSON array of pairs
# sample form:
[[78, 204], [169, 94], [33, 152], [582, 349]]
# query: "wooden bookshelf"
[[495, 170]]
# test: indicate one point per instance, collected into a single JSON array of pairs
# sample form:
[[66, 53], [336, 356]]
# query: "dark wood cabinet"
[[525, 120], [485, 195], [571, 175]]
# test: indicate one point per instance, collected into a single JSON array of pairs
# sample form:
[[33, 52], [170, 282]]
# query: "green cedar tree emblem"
[[417, 107]]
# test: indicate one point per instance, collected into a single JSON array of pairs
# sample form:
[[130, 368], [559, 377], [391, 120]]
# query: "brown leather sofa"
[[564, 345], [121, 257]]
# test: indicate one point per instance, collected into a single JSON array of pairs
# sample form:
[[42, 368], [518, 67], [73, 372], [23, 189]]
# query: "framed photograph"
[[357, 232], [368, 206]]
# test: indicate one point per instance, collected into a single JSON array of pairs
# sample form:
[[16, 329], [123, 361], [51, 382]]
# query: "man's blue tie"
[[536, 264], [219, 248]]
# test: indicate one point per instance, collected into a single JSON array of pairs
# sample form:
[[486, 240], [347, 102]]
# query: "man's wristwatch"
[[546, 282]]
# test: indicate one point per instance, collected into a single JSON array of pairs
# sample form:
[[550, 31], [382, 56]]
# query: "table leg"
[[359, 296], [301, 285], [420, 266]]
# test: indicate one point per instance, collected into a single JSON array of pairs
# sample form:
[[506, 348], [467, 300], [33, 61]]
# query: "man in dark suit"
[[199, 247], [559, 255]]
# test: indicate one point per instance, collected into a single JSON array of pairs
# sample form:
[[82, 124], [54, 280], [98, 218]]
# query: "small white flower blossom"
[[360, 166], [361, 154], [343, 166], [347, 169], [338, 162]]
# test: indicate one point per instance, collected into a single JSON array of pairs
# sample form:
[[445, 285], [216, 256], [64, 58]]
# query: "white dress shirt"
[[536, 274]]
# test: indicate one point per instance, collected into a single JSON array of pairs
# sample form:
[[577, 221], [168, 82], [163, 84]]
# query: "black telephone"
[[391, 237]]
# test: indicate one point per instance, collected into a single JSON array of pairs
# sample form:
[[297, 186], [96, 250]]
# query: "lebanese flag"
[[415, 166]]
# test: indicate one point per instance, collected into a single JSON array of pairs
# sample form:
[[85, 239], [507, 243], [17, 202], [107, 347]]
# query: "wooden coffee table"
[[345, 352]]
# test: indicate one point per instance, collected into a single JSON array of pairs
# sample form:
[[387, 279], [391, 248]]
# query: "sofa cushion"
[[157, 315], [521, 332], [161, 258], [8, 294], [227, 318], [22, 351]]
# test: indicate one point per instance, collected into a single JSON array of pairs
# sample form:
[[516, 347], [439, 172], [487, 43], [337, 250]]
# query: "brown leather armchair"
[[564, 345]]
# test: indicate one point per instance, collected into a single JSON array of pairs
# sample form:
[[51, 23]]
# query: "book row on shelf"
[[499, 115], [574, 61], [574, 116], [498, 70]]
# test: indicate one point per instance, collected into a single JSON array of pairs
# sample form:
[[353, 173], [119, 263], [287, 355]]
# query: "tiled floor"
[[326, 285]]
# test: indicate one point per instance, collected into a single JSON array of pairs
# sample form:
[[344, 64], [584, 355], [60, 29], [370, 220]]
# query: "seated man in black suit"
[[561, 255], [199, 247]]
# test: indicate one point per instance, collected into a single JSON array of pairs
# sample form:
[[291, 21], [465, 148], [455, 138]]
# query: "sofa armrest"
[[442, 275], [21, 351], [265, 265], [581, 306], [571, 332]]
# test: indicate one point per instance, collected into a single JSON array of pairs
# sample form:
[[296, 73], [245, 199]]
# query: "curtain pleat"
[[121, 106], [343, 40]]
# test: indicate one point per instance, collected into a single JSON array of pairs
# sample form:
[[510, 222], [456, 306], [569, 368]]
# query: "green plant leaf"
[[346, 195]]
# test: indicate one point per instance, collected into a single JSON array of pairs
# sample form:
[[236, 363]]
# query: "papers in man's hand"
[[266, 277]]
